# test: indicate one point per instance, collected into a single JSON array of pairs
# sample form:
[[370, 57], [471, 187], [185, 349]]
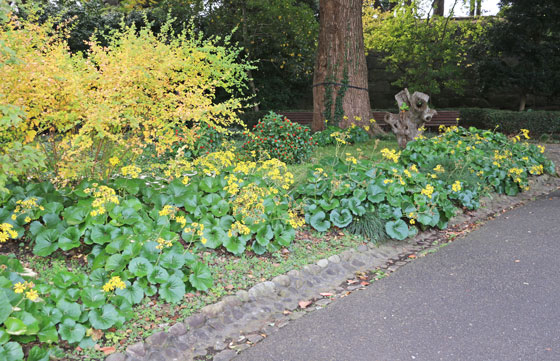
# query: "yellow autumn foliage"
[[83, 109]]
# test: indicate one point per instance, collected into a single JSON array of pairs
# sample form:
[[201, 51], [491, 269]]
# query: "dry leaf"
[[326, 294], [304, 304], [351, 282], [108, 350], [286, 312]]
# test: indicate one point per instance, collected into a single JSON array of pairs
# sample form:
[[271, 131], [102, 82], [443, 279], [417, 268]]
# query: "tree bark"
[[522, 101], [439, 7], [340, 82]]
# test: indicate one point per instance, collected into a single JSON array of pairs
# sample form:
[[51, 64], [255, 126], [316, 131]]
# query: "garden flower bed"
[[142, 243]]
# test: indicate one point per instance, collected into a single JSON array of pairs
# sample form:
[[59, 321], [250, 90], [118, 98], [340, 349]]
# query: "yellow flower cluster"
[[536, 169], [114, 161], [277, 172], [232, 184], [525, 133], [428, 191], [6, 232], [23, 206], [213, 163], [102, 195], [31, 294], [163, 243], [444, 129], [295, 220], [515, 173], [113, 283], [387, 181], [390, 154], [131, 170], [195, 228], [438, 168], [250, 202], [168, 211], [351, 159], [319, 172], [456, 187], [541, 148], [181, 220], [238, 228], [245, 167]]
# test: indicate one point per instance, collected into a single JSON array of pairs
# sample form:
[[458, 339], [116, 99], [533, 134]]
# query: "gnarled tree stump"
[[406, 125]]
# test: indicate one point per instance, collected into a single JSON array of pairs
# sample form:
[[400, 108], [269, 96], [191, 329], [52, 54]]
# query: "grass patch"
[[369, 150]]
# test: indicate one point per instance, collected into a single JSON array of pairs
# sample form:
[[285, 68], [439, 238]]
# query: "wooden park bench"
[[443, 117]]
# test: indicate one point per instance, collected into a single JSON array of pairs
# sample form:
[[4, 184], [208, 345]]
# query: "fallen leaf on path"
[[108, 350], [286, 312], [351, 282], [364, 283], [326, 294], [304, 304]]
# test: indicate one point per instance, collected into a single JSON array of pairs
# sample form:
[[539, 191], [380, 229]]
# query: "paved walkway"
[[493, 295]]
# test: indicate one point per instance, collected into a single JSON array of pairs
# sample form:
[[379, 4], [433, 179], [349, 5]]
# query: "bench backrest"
[[443, 117]]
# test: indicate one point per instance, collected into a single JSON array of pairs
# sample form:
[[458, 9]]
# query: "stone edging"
[[223, 329]]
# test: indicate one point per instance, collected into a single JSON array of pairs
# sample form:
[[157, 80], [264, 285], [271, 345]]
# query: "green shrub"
[[277, 137], [510, 122]]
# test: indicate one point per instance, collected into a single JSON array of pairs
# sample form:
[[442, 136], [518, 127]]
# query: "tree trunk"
[[340, 82], [439, 7], [522, 101], [472, 7], [478, 7]]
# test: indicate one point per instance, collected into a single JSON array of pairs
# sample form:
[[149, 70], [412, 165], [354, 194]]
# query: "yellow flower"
[[412, 221], [114, 282], [525, 133], [114, 161], [19, 287], [27, 219], [386, 181], [428, 191], [541, 148], [439, 169], [203, 240], [31, 295], [456, 187]]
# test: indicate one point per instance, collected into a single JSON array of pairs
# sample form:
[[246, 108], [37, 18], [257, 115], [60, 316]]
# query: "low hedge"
[[537, 122]]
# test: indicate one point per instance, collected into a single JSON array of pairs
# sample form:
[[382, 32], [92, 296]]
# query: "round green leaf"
[[11, 351], [133, 293], [172, 260], [200, 277], [46, 243], [173, 290], [375, 193], [319, 221], [158, 275], [140, 267], [48, 334], [234, 245], [103, 318], [264, 234], [70, 309], [220, 209], [5, 306], [69, 239], [71, 331], [115, 263], [15, 326], [92, 297], [214, 236], [341, 218], [397, 229]]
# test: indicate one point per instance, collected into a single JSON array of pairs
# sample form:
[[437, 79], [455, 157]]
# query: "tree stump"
[[408, 124]]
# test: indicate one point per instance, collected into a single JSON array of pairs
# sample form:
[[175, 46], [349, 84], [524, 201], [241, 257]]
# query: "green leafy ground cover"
[[130, 254]]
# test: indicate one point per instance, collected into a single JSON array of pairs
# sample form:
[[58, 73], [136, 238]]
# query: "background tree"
[[340, 83], [279, 35], [521, 52], [425, 54]]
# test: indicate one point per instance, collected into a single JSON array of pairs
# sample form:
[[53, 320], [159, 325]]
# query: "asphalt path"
[[492, 295]]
